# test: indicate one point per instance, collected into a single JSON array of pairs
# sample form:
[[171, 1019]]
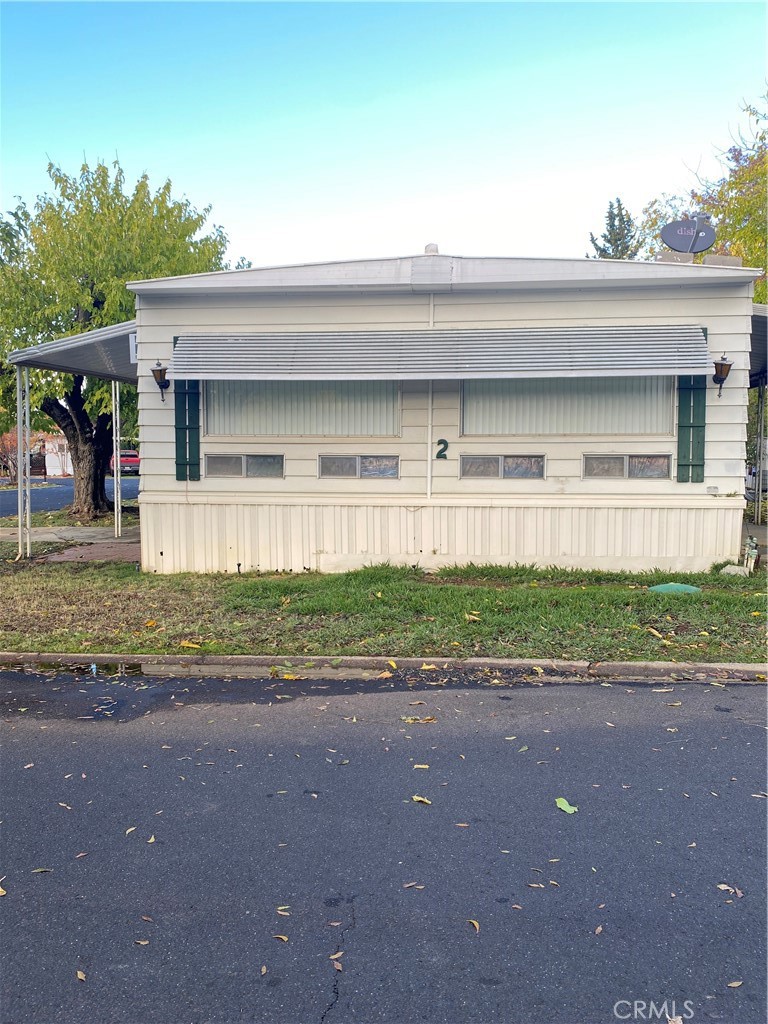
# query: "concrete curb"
[[532, 669]]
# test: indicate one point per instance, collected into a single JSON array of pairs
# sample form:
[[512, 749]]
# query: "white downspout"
[[429, 406], [429, 440]]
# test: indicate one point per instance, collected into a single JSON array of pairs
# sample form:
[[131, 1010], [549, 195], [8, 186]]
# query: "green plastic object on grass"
[[675, 588]]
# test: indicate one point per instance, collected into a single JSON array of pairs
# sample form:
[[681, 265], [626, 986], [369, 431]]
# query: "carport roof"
[[103, 353]]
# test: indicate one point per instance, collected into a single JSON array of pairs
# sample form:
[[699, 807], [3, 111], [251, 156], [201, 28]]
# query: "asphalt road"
[[186, 825], [58, 492]]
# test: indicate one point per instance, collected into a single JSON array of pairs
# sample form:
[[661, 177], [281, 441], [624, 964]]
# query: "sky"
[[331, 131]]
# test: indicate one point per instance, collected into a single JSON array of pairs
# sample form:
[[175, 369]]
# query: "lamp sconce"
[[722, 369], [158, 372]]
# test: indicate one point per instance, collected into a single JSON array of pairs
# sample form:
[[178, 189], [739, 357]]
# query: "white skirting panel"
[[220, 537]]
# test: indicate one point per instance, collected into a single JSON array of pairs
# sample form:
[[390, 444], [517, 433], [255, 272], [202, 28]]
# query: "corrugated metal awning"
[[443, 354], [104, 352]]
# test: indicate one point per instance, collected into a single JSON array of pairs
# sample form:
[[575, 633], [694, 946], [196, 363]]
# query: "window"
[[507, 467], [573, 405], [245, 465], [628, 466], [254, 408], [354, 466]]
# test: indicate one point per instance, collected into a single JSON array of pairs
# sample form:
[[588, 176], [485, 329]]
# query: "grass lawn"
[[471, 611], [63, 517]]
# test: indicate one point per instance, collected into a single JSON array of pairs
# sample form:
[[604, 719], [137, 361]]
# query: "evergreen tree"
[[620, 239]]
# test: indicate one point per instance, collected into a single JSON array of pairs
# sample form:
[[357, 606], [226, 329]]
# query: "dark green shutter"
[[691, 420], [187, 424]]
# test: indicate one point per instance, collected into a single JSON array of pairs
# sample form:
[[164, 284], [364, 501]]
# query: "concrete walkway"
[[75, 534]]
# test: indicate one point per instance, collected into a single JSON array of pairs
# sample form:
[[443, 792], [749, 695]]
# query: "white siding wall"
[[303, 521]]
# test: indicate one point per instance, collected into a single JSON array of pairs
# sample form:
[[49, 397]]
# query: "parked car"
[[129, 462]]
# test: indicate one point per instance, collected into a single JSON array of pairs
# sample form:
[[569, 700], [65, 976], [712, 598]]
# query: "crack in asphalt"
[[335, 991]]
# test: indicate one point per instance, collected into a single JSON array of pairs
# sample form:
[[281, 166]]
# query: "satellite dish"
[[689, 235]]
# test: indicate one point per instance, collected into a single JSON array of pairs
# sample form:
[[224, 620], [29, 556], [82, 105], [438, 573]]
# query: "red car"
[[129, 462]]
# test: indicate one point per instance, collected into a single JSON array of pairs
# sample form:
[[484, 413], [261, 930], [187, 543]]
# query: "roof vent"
[[431, 249]]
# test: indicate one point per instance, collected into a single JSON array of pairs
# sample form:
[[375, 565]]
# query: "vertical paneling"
[[204, 537]]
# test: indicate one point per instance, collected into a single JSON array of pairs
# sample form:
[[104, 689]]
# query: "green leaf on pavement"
[[563, 804]]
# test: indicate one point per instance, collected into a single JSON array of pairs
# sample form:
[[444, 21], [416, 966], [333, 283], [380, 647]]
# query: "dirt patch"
[[102, 552]]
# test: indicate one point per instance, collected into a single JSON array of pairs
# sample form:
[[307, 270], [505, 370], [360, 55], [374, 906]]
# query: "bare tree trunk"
[[89, 447]]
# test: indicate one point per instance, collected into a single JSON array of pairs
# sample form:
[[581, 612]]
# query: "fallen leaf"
[[726, 888], [80, 976], [410, 885], [534, 885], [522, 750], [151, 839], [428, 668], [188, 643], [263, 970], [474, 924], [674, 703], [290, 675], [599, 929], [79, 855], [420, 800], [283, 938], [539, 671], [30, 765], [735, 984], [421, 766], [563, 804], [131, 829], [516, 906], [392, 664], [283, 913], [384, 675], [335, 956], [461, 824], [150, 622], [144, 917], [337, 965], [141, 942], [654, 632], [612, 726], [42, 871], [472, 616]]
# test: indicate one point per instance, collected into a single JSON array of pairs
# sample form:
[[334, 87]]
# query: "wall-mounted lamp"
[[722, 369], [159, 371]]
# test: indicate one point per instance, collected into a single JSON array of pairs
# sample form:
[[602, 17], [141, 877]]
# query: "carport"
[[108, 353]]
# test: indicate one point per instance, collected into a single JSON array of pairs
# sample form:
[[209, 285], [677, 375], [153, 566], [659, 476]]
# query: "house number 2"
[[442, 448]]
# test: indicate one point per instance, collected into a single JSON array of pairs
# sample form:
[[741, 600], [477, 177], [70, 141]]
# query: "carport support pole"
[[117, 474], [23, 464]]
